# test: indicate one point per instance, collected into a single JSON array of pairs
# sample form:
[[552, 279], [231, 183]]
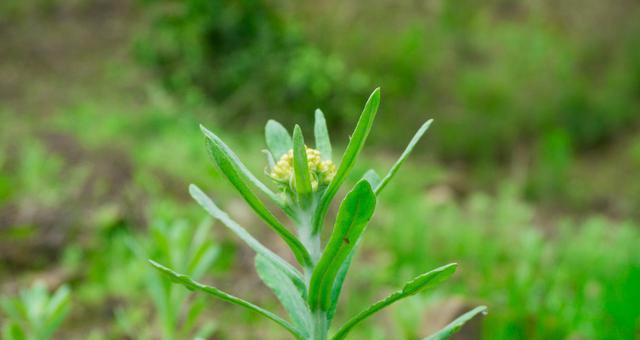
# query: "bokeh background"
[[529, 177]]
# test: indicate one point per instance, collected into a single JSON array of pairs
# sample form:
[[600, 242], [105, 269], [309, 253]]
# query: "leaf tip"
[[155, 264], [428, 123], [271, 122]]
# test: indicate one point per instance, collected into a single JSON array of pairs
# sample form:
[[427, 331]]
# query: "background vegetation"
[[528, 177]]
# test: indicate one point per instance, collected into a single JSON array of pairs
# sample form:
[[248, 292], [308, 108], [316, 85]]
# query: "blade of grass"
[[422, 282], [354, 147], [193, 285]]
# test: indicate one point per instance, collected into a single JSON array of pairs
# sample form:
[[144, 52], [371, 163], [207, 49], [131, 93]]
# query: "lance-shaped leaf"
[[339, 282], [277, 138], [56, 310], [300, 164], [422, 282], [215, 145], [404, 156], [456, 324], [286, 292], [230, 167], [354, 214], [323, 143], [254, 244], [372, 177], [193, 285], [354, 147]]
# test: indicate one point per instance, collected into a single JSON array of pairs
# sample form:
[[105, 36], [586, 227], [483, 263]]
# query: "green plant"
[[35, 314], [307, 182], [188, 250]]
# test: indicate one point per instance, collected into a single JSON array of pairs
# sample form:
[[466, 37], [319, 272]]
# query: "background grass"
[[527, 178]]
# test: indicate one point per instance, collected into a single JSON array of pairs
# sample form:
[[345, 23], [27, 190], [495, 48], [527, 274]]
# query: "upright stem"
[[308, 239], [320, 325], [313, 244]]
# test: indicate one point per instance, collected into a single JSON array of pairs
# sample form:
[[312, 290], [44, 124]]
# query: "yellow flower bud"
[[322, 172]]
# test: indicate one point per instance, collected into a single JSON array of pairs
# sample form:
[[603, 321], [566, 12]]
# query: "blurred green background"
[[528, 177]]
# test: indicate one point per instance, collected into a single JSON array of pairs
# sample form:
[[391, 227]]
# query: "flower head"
[[322, 172]]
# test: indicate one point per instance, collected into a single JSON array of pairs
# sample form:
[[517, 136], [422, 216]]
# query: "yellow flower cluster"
[[322, 172]]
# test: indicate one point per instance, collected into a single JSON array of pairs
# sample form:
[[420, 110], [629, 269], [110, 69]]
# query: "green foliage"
[[539, 286], [543, 93], [353, 216], [236, 173], [242, 233], [219, 48], [456, 324], [35, 313], [189, 250], [278, 140], [301, 167], [193, 285], [311, 305], [356, 143], [422, 282], [497, 75], [320, 131], [288, 294]]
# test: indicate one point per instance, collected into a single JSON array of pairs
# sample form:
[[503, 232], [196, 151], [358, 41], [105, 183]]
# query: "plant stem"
[[308, 239], [320, 325]]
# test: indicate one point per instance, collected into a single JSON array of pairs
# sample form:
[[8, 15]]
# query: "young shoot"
[[306, 180]]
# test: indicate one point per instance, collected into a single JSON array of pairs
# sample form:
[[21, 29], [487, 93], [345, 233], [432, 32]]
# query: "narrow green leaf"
[[193, 285], [231, 169], [206, 331], [217, 146], [353, 215], [57, 309], [337, 285], [456, 324], [422, 282], [12, 331], [194, 311], [404, 156], [277, 138], [320, 131], [354, 147], [286, 292], [59, 301], [372, 177], [300, 164], [254, 244]]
